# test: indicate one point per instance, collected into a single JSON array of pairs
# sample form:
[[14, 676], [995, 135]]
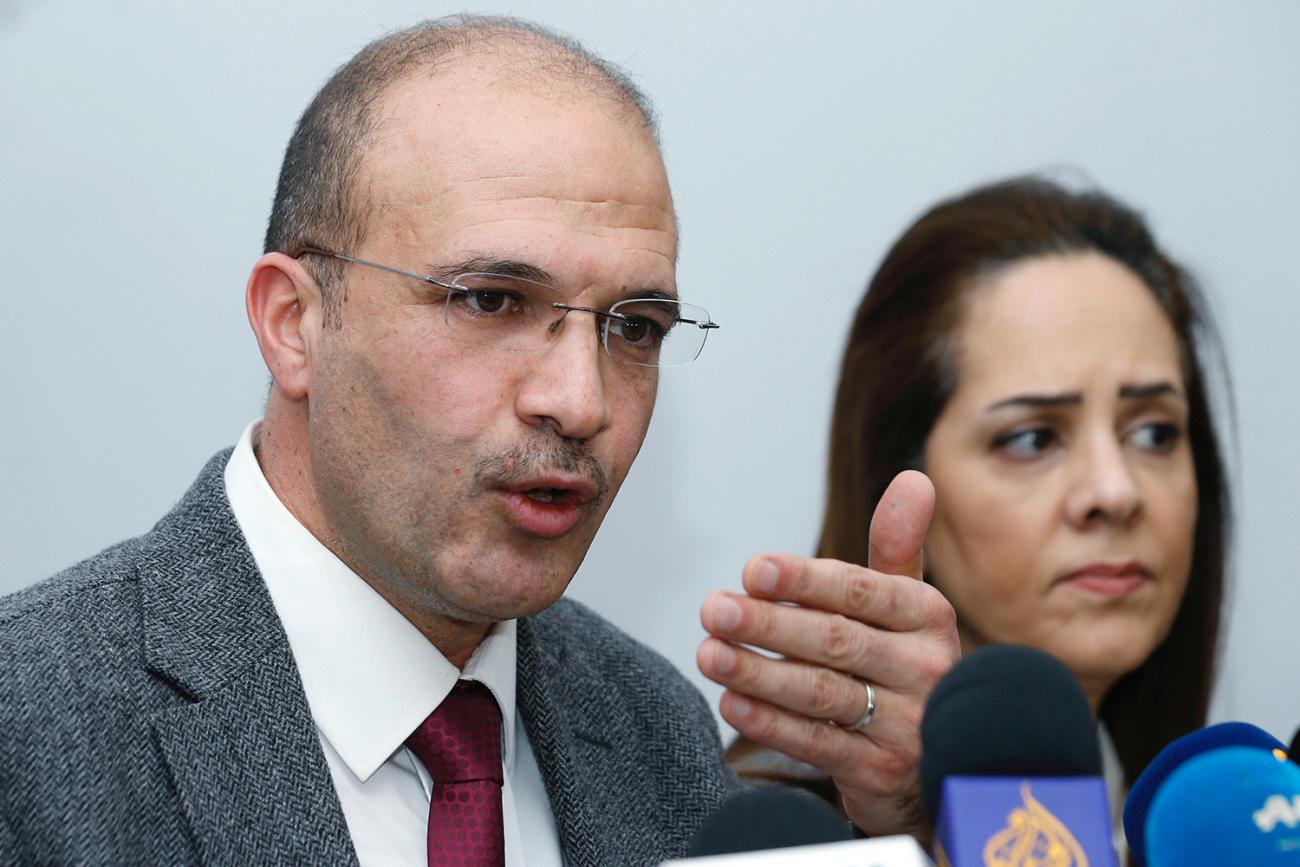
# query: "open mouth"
[[556, 496], [546, 495], [548, 510], [556, 491]]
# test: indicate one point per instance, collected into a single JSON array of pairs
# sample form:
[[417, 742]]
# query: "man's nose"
[[564, 385], [1103, 487]]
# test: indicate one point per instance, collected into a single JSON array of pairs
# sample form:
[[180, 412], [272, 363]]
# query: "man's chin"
[[484, 603], [526, 606]]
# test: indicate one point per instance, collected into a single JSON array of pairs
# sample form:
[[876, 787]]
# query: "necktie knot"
[[461, 740]]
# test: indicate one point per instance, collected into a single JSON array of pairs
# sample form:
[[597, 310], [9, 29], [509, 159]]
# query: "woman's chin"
[[1099, 664]]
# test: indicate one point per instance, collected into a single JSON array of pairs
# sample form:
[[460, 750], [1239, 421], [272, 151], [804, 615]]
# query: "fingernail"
[[763, 579], [739, 705], [726, 613], [724, 658]]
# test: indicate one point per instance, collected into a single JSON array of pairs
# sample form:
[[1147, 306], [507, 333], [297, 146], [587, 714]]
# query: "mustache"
[[546, 455]]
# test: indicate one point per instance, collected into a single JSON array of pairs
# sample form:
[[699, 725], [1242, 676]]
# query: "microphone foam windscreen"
[[769, 817], [1231, 806], [1006, 711], [1168, 760]]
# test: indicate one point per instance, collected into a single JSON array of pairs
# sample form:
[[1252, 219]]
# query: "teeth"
[[541, 495]]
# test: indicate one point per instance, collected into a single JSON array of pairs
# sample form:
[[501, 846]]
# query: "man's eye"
[[638, 331], [1024, 444], [488, 302], [1158, 437]]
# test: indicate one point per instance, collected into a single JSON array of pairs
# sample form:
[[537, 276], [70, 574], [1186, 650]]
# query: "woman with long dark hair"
[[1033, 351]]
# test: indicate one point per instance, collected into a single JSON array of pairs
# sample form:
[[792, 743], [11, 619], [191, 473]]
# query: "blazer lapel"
[[243, 751], [630, 763], [248, 769], [570, 748]]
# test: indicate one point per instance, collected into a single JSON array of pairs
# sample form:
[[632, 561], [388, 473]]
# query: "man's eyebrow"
[[651, 294], [527, 271], [492, 265], [1144, 391]]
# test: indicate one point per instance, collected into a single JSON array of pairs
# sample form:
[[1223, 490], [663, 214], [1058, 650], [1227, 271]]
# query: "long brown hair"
[[900, 370]]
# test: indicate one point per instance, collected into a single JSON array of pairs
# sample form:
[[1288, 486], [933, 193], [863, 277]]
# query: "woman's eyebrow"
[[1150, 390], [1127, 391], [1065, 398]]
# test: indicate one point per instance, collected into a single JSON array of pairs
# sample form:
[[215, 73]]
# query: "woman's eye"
[[1158, 437], [1024, 444]]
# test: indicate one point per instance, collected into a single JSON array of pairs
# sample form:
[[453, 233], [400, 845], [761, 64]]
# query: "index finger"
[[899, 525], [893, 602]]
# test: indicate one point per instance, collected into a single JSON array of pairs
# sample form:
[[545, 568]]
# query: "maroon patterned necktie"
[[460, 744]]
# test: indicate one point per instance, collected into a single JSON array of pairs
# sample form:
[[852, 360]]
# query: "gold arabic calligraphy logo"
[[1033, 838]]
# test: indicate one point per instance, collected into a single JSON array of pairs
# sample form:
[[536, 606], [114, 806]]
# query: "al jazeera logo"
[[1033, 837]]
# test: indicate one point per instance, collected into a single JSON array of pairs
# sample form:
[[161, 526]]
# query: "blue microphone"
[[1172, 757], [1010, 767], [1230, 806]]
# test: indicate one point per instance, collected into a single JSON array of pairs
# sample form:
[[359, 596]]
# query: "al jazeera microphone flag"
[[1010, 822]]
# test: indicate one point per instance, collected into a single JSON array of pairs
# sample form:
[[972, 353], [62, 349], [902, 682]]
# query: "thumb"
[[899, 524]]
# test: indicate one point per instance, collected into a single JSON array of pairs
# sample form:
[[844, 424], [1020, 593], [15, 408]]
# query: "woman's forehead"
[[1061, 321]]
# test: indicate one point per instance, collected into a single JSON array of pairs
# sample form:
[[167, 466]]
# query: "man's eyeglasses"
[[514, 313]]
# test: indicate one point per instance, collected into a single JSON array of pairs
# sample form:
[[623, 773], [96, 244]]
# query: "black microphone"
[[769, 817], [774, 826], [1010, 762], [1293, 750]]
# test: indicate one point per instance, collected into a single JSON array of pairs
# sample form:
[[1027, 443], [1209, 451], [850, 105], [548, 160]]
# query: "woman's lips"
[[1111, 580]]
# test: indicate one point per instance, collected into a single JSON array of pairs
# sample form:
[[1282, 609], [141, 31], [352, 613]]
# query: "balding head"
[[456, 438], [317, 202]]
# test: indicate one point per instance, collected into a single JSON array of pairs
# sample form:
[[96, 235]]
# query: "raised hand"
[[852, 633]]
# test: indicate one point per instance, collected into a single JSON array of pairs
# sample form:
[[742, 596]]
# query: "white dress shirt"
[[1113, 773], [371, 678]]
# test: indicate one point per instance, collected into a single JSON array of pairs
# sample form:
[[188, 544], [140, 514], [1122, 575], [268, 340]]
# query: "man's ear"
[[284, 307]]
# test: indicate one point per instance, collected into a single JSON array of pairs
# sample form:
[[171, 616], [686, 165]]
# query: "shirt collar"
[[369, 675]]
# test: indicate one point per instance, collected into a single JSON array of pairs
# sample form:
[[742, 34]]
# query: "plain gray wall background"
[[140, 141]]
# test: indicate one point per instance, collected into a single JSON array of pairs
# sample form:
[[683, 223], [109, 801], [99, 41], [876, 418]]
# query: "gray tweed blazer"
[[151, 713]]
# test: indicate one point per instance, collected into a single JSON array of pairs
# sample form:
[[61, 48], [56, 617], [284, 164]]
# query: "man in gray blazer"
[[467, 291]]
